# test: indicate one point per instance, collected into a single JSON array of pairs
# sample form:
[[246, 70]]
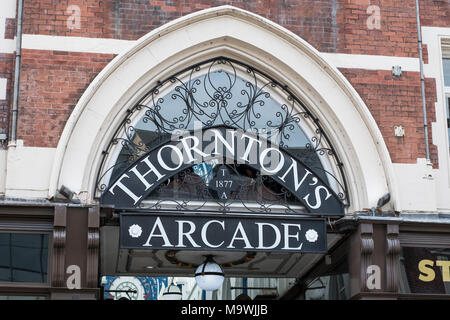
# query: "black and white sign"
[[222, 233], [166, 160]]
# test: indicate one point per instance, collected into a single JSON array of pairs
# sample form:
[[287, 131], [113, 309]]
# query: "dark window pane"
[[28, 276], [4, 239], [5, 274], [23, 257], [5, 244], [5, 253]]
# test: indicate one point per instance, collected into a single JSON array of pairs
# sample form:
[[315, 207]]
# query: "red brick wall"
[[397, 101], [131, 19], [435, 13], [313, 19], [328, 25], [51, 84], [396, 36], [48, 96], [49, 17], [6, 71], [10, 28]]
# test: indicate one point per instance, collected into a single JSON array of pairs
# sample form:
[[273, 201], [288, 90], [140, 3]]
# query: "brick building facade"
[[329, 26], [68, 46]]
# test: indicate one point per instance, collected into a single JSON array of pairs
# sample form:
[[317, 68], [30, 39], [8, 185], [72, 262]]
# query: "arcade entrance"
[[270, 276], [220, 160]]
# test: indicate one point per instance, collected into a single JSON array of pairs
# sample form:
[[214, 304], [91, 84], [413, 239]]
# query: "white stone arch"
[[239, 34]]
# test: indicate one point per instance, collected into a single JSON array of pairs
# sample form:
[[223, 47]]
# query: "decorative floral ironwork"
[[191, 190], [221, 91]]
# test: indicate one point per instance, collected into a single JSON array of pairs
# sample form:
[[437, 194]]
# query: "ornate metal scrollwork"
[[255, 192], [222, 91]]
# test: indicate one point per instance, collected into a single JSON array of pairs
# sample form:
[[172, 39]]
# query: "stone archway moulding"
[[226, 31]]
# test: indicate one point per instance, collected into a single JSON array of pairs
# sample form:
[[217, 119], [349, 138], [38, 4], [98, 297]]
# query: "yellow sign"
[[427, 272]]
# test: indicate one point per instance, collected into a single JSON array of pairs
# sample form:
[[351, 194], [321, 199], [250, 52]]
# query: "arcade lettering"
[[147, 231]]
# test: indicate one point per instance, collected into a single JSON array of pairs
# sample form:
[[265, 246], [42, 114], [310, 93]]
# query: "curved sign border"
[[183, 151]]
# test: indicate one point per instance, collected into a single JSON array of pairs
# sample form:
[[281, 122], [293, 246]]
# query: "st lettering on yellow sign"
[[427, 272]]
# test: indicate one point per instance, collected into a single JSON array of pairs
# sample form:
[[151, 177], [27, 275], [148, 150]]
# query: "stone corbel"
[[367, 247], [93, 244], [59, 246], [392, 257]]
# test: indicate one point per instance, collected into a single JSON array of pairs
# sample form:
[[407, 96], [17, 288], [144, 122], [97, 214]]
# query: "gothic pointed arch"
[[252, 41]]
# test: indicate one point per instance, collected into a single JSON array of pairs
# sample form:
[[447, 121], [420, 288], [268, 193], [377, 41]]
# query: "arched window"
[[223, 92]]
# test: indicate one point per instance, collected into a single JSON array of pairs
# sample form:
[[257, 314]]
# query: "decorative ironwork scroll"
[[223, 91]]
